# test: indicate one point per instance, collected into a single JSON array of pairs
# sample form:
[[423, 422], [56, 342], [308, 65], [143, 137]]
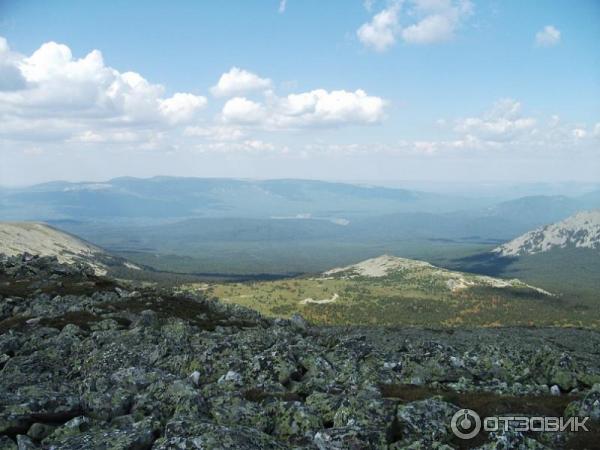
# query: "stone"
[[25, 443], [7, 443], [39, 431], [427, 420], [349, 438], [299, 322], [231, 377], [195, 377]]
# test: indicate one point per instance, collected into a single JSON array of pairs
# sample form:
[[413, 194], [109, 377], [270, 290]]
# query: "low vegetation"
[[420, 297]]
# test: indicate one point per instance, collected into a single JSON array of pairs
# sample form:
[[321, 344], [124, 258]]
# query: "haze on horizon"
[[443, 90]]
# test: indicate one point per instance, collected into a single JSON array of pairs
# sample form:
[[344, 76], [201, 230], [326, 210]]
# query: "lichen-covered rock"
[[420, 445], [294, 419], [209, 436], [326, 405], [350, 438], [88, 363], [509, 440], [366, 409], [233, 409], [25, 443], [139, 435], [39, 431], [7, 443], [589, 406], [425, 420]]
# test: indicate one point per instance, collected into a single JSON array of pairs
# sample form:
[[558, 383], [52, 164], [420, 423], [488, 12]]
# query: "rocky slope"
[[44, 240], [87, 363], [425, 273], [581, 230]]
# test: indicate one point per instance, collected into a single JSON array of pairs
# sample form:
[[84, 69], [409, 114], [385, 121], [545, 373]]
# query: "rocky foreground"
[[90, 363]]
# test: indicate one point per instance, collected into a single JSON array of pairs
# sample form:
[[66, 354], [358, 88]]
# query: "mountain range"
[[167, 198], [581, 230]]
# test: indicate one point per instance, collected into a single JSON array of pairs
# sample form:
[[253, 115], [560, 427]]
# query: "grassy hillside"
[[571, 272], [420, 296]]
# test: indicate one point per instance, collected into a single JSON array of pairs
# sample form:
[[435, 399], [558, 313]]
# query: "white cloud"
[[505, 128], [238, 81], [112, 136], [11, 78], [503, 122], [368, 4], [434, 28], [215, 133], [181, 107], [321, 107], [317, 108], [257, 144], [282, 6], [547, 37], [380, 33], [72, 96], [249, 146], [243, 111], [427, 22], [60, 101]]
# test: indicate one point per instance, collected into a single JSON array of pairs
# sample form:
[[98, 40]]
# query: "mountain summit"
[[43, 240], [581, 230], [422, 274]]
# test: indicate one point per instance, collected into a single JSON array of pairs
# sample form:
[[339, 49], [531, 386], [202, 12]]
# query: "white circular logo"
[[465, 424]]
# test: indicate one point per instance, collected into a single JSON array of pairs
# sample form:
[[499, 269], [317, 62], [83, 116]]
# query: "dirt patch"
[[197, 312]]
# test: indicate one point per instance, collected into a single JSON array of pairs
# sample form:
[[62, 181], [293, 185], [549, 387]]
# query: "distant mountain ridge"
[[160, 198], [237, 226], [581, 230]]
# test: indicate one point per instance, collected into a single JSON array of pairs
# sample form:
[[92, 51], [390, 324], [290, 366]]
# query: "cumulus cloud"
[[317, 108], [242, 110], [181, 107], [321, 107], [426, 22], [238, 81], [547, 36], [11, 78], [380, 33], [503, 122], [56, 99], [504, 127], [70, 96], [439, 20]]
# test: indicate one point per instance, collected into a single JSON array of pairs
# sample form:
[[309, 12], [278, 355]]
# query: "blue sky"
[[409, 90]]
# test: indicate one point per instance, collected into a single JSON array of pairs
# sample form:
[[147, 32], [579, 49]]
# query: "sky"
[[466, 91]]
